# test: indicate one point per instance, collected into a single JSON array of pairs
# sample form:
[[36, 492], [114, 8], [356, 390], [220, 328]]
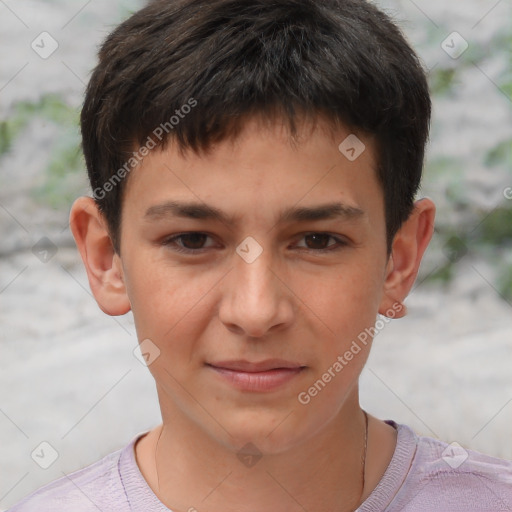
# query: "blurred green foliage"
[[49, 107], [62, 174], [505, 282], [441, 80], [484, 231], [500, 154], [496, 227]]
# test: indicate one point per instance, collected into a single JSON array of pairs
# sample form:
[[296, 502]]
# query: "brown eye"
[[319, 242], [189, 242], [193, 240]]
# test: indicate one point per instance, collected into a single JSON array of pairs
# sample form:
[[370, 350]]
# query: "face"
[[250, 307]]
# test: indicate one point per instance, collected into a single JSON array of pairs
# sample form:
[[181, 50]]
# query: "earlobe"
[[102, 264], [408, 248]]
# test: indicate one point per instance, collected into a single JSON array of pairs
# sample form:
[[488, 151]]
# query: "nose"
[[255, 298]]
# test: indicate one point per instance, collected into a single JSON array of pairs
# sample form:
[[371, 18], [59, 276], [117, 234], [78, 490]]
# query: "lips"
[[255, 367], [258, 377]]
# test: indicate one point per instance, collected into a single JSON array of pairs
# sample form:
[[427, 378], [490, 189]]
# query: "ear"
[[409, 245], [103, 265]]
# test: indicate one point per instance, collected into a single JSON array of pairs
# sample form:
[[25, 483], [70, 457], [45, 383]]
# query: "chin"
[[270, 433]]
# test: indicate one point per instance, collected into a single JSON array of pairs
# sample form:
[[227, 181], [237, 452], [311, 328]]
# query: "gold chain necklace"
[[363, 479]]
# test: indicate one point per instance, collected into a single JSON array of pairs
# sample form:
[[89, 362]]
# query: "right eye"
[[192, 239]]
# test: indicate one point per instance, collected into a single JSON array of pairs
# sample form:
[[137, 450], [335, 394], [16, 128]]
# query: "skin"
[[290, 303]]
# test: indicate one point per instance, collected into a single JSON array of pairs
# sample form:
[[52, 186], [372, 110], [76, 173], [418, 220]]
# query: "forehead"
[[263, 168]]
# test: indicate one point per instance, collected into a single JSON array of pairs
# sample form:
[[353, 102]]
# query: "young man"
[[254, 166]]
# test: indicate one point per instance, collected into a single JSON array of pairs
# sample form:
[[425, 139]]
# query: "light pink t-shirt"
[[424, 475]]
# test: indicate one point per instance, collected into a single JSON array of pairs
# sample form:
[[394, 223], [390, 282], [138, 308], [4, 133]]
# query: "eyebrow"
[[202, 211]]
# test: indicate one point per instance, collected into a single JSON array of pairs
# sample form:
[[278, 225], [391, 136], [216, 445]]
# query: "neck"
[[188, 470]]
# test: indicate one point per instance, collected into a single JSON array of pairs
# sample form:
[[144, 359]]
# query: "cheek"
[[168, 304], [348, 309], [157, 297], [344, 302]]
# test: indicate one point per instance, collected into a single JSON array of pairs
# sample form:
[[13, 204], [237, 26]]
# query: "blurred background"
[[68, 374]]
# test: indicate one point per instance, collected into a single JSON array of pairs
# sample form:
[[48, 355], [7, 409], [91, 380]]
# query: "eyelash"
[[171, 242]]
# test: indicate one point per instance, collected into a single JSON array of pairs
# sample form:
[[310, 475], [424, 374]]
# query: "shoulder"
[[449, 477], [89, 489]]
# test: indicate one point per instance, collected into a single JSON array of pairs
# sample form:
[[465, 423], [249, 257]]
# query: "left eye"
[[193, 242], [322, 239]]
